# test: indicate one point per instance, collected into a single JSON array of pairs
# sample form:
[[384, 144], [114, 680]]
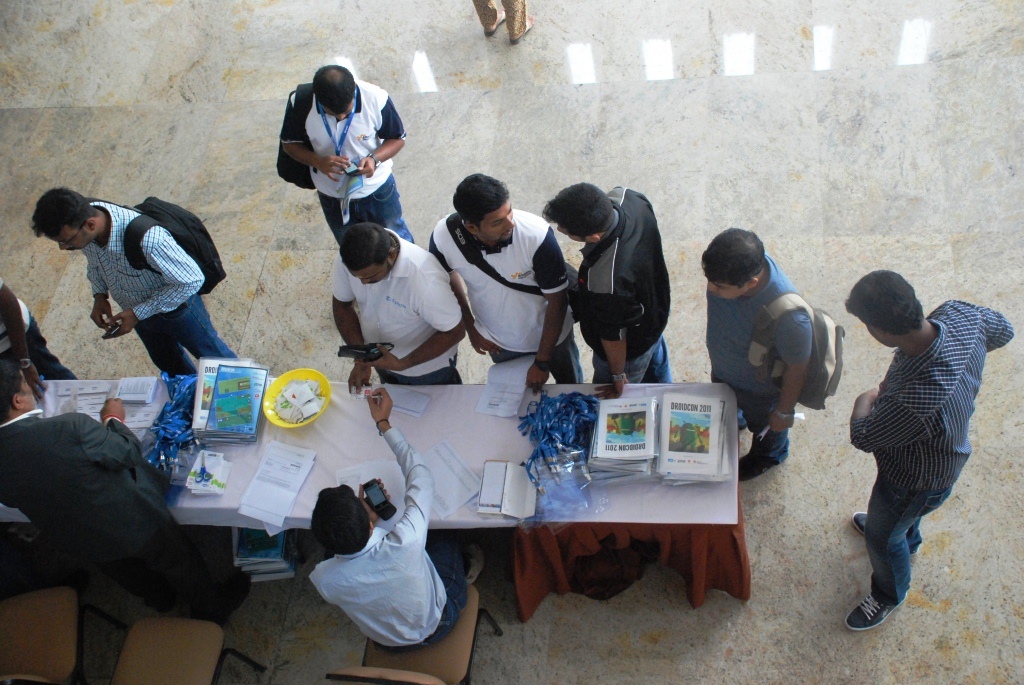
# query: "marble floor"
[[849, 136]]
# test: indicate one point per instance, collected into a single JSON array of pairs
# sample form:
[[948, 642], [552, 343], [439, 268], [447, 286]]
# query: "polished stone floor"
[[850, 136]]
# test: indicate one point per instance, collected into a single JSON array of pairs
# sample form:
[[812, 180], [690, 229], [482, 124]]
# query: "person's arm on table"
[[615, 353], [347, 322]]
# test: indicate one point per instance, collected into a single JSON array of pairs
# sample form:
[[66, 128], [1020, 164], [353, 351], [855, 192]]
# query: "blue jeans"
[[446, 556], [892, 532], [565, 360], [382, 206], [448, 375], [650, 367], [46, 363], [167, 336], [754, 413]]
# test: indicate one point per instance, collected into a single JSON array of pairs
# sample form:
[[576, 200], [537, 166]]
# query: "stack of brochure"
[[229, 398], [263, 556], [625, 440], [692, 440], [209, 474]]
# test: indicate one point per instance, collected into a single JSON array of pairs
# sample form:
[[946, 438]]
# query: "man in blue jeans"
[[347, 139], [162, 305], [403, 588], [915, 423]]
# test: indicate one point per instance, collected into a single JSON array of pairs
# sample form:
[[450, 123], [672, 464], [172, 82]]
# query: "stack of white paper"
[[506, 383], [408, 401], [138, 390], [454, 483], [272, 492]]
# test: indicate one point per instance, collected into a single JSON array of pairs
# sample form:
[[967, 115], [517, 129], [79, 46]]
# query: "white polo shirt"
[[511, 319], [413, 302], [361, 140]]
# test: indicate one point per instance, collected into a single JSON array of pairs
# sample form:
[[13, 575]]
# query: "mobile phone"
[[363, 353], [373, 494], [111, 333], [352, 170]]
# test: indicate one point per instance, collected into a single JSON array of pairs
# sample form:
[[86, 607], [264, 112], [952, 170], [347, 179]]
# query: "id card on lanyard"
[[352, 182]]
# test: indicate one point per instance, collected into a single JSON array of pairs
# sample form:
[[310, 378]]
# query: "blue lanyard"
[[344, 131]]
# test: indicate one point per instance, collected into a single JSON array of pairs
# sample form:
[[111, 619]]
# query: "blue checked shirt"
[[144, 292], [917, 428]]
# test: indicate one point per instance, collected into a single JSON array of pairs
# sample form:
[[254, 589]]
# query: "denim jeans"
[[565, 360], [650, 367], [446, 556], [892, 532], [46, 363], [167, 336], [754, 413], [449, 375], [382, 206]]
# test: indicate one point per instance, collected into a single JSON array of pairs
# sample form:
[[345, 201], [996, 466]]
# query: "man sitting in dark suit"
[[87, 487]]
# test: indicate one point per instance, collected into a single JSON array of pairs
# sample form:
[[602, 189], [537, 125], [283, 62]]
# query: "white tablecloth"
[[345, 435]]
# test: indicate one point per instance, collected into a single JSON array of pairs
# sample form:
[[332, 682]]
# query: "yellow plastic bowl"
[[284, 379]]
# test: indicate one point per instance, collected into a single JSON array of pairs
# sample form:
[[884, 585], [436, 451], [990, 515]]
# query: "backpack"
[[825, 366], [292, 170], [186, 229]]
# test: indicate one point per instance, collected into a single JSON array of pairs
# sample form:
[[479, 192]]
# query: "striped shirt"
[[917, 428], [144, 292]]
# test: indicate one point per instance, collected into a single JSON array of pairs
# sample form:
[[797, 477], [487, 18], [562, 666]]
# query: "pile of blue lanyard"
[[556, 425], [173, 428]]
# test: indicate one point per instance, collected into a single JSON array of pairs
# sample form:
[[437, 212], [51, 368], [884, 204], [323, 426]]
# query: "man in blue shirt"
[[163, 306], [915, 423], [741, 280]]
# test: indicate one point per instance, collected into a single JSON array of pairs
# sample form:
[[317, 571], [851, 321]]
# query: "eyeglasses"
[[67, 241]]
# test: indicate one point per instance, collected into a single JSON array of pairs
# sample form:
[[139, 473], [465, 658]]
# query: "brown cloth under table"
[[707, 556]]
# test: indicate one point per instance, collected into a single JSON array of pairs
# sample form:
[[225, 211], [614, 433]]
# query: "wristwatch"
[[619, 377], [376, 162], [783, 415], [543, 366], [24, 363]]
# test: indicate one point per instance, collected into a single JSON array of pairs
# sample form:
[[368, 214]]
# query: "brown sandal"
[[501, 20], [529, 25]]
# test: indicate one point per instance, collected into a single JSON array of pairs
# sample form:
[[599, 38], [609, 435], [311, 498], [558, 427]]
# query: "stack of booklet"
[[692, 440], [209, 474], [625, 439], [137, 390], [263, 556], [229, 395]]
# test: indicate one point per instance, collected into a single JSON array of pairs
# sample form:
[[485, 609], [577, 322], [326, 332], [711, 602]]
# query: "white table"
[[345, 436]]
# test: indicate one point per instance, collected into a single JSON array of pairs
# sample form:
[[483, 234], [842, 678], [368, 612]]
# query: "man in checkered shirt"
[[915, 422]]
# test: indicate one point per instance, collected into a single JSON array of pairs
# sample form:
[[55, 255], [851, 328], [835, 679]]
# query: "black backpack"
[[292, 170], [186, 229], [825, 366]]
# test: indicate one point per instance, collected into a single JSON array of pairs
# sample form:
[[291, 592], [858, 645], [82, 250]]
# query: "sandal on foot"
[[529, 25], [501, 20]]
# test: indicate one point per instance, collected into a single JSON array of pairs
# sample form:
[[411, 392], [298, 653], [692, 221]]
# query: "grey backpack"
[[825, 366]]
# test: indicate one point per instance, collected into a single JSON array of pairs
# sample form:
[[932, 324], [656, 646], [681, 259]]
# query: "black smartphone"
[[352, 170], [111, 333], [373, 494], [363, 353]]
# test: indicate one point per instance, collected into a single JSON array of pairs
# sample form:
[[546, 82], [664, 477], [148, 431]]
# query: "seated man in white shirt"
[[405, 299], [404, 588]]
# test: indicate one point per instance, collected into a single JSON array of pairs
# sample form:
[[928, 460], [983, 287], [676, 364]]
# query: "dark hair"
[[477, 196], [10, 384], [340, 522], [57, 208], [580, 210], [733, 257], [364, 245], [884, 300], [334, 87]]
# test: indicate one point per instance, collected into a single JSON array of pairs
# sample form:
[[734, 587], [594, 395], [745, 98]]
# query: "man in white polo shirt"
[[509, 276], [347, 137], [405, 299]]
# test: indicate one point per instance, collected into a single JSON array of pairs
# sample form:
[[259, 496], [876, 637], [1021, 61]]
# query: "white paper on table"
[[137, 389], [408, 401], [272, 492], [84, 388], [506, 384], [388, 471], [454, 483]]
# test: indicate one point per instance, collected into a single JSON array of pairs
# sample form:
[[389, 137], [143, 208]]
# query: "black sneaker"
[[752, 466], [860, 521], [869, 613]]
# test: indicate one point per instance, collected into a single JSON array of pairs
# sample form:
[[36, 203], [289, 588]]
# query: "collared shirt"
[[145, 292], [413, 302], [34, 412], [374, 121], [390, 588], [511, 319], [917, 428]]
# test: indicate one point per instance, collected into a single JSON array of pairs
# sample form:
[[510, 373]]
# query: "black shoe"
[[860, 522], [869, 613], [752, 466], [228, 597]]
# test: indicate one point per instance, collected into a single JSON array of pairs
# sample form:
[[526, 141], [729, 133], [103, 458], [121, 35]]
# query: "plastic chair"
[[42, 636], [182, 651], [447, 662]]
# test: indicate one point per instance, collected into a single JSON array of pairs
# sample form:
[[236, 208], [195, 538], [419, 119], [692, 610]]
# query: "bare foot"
[[500, 20], [529, 25]]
